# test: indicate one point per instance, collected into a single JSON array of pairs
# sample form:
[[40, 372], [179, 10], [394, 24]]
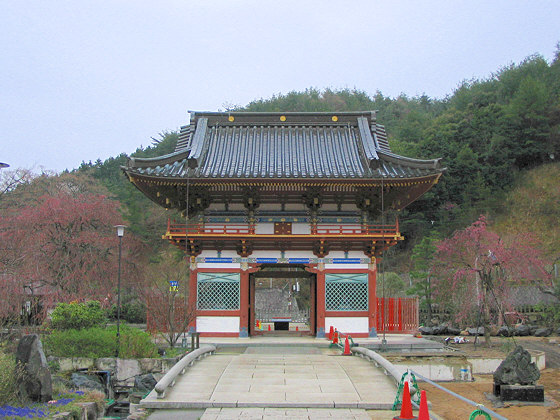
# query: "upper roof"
[[285, 145]]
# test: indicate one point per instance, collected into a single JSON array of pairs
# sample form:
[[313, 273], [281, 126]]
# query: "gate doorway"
[[282, 301]]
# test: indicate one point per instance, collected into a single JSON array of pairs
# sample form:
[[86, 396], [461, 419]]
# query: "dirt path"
[[451, 408], [552, 351]]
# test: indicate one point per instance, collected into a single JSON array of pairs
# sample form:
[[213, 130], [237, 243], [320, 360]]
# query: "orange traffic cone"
[[347, 351], [331, 333], [335, 337], [423, 414], [406, 406]]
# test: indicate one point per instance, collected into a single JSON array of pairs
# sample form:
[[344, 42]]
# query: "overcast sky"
[[82, 80]]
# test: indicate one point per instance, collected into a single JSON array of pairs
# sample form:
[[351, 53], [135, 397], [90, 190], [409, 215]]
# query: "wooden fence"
[[397, 315]]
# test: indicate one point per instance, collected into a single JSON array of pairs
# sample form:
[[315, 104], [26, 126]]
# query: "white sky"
[[82, 80]]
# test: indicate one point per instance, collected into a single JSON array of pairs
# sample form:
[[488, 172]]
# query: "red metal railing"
[[354, 229], [221, 229], [177, 229], [395, 315]]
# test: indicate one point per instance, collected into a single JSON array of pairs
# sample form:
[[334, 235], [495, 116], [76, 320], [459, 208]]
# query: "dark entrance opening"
[[282, 325], [282, 300]]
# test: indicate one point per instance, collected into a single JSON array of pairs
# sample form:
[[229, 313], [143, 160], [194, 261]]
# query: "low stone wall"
[[456, 367], [483, 365], [123, 370]]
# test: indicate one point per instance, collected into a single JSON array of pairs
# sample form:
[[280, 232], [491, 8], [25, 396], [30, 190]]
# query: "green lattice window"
[[346, 292], [218, 291]]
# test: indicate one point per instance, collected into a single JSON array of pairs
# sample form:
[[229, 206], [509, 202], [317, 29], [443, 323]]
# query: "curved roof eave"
[[267, 180], [134, 162], [414, 163]]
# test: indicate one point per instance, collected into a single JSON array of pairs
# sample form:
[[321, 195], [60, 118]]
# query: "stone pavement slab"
[[274, 378], [268, 413]]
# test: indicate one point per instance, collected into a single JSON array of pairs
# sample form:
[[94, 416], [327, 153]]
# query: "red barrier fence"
[[397, 315]]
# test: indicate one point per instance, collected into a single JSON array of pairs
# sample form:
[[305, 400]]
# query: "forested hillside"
[[488, 132], [498, 137]]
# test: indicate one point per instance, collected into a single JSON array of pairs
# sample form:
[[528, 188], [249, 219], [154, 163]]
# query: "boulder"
[[145, 383], [521, 330], [476, 331], [426, 330], [505, 331], [64, 383], [439, 330], [543, 332], [493, 330], [87, 382], [517, 368], [533, 329], [150, 365], [90, 411], [37, 382], [453, 331]]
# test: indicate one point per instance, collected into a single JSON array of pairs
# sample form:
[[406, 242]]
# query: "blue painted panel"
[[347, 260], [298, 260], [218, 260], [267, 260]]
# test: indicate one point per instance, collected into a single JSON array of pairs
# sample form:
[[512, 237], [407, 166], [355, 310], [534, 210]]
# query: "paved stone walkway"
[[274, 414], [280, 377], [252, 413]]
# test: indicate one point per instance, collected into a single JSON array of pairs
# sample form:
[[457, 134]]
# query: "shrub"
[[100, 342], [550, 313], [76, 315], [133, 311], [10, 377], [136, 343]]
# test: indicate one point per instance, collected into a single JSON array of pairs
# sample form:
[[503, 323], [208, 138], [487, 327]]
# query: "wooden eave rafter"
[[164, 191], [287, 183]]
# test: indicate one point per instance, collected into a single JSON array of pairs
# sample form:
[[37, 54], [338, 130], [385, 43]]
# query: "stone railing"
[[380, 361], [180, 368]]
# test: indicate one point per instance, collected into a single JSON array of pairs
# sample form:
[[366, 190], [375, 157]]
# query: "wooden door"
[[283, 228]]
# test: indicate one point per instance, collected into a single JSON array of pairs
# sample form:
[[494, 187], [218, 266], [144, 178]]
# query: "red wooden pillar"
[[244, 304], [400, 326], [320, 304], [192, 298], [372, 301], [391, 315], [380, 314]]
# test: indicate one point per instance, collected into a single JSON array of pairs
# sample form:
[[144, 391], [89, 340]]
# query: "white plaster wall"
[[214, 254], [278, 207], [345, 266], [217, 324], [435, 371], [233, 207], [299, 254], [489, 365], [301, 228], [265, 254], [351, 254], [295, 207], [264, 228], [347, 324], [329, 207], [219, 265]]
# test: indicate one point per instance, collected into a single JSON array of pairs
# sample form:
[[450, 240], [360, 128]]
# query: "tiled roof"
[[283, 145]]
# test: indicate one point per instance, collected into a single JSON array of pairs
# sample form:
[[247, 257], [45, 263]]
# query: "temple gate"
[[284, 217]]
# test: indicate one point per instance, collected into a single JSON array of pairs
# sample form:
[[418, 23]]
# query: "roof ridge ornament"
[[197, 142], [368, 143]]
